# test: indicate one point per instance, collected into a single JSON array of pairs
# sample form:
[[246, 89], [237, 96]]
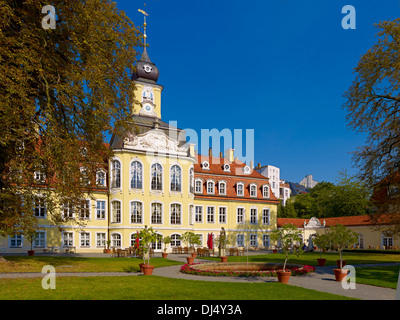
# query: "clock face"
[[147, 68]]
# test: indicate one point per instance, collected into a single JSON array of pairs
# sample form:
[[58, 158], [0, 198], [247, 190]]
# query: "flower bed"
[[191, 269]]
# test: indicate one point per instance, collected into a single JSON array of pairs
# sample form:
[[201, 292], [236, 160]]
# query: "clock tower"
[[147, 92]]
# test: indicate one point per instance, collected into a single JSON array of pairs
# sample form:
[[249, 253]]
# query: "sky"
[[278, 67]]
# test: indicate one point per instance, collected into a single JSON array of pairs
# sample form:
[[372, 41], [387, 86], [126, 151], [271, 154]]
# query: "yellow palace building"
[[156, 179]]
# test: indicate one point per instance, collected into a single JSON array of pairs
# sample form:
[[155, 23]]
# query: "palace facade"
[[156, 179]]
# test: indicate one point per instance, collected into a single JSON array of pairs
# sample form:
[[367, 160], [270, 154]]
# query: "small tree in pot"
[[290, 240], [323, 242], [222, 242], [147, 237], [191, 239], [166, 240], [341, 238]]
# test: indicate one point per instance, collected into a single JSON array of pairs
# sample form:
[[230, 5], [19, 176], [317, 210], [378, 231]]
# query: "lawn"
[[153, 288], [310, 258], [378, 276], [77, 264]]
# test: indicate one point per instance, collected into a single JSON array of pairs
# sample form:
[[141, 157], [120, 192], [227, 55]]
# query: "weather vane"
[[145, 14]]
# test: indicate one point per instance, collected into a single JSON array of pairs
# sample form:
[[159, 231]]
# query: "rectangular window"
[[175, 213], [240, 215], [265, 192], [265, 216], [222, 188], [101, 240], [253, 216], [68, 211], [156, 213], [85, 240], [253, 191], [16, 241], [265, 239], [198, 186], [253, 240], [40, 207], [240, 189], [136, 212], [68, 239], [222, 215], [116, 211], [240, 240], [210, 214], [84, 209], [210, 187], [198, 214], [387, 242], [100, 210], [40, 240]]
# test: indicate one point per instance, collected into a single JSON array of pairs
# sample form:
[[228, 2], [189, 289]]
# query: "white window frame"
[[208, 214], [39, 205], [86, 209], [101, 181], [139, 175], [210, 182], [253, 190], [18, 240], [141, 212], [161, 205], [159, 176], [101, 242], [100, 210], [40, 239], [240, 194], [220, 184], [175, 178], [197, 214], [265, 191], [225, 215], [113, 216], [240, 240], [268, 216], [253, 215], [70, 238], [84, 242], [242, 216], [114, 241], [253, 240], [196, 181], [266, 240], [116, 174], [179, 215]]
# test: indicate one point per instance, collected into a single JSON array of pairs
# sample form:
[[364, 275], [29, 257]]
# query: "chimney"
[[259, 166], [229, 154], [210, 152], [251, 165], [221, 155]]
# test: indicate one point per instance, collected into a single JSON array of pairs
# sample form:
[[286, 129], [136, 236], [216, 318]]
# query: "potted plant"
[[107, 250], [166, 240], [290, 238], [222, 242], [31, 236], [341, 237], [191, 239], [147, 236], [323, 242]]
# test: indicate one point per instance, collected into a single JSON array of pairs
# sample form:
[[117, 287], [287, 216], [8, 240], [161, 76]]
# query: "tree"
[[287, 210], [373, 107], [341, 238], [290, 239], [63, 90]]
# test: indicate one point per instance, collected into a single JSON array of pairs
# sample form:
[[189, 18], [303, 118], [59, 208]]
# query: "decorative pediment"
[[155, 141], [313, 223]]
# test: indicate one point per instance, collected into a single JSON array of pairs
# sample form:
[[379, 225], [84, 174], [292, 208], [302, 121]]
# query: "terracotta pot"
[[275, 251], [147, 269], [164, 254], [283, 276], [107, 250], [321, 262], [224, 259], [141, 266], [340, 274], [338, 263], [189, 260], [31, 252]]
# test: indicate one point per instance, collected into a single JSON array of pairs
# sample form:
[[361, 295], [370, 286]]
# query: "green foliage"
[[289, 238], [341, 238], [190, 238], [147, 236], [322, 241], [63, 90]]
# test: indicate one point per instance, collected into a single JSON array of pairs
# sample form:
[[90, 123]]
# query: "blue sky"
[[279, 67]]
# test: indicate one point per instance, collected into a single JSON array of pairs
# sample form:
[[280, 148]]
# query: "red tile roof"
[[346, 221]]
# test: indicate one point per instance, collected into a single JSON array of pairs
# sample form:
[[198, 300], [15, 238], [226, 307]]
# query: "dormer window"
[[265, 191], [210, 187], [253, 190], [205, 165], [198, 186], [240, 189], [227, 167], [222, 188]]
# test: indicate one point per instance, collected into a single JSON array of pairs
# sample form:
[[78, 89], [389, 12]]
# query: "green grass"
[[153, 288], [310, 258], [78, 264], [378, 276]]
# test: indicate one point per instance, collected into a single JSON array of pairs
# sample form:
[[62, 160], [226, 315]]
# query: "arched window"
[[115, 174], [116, 211], [156, 177], [136, 175], [176, 213], [156, 213], [136, 212], [176, 178], [191, 180], [116, 240], [198, 186], [210, 187], [175, 240]]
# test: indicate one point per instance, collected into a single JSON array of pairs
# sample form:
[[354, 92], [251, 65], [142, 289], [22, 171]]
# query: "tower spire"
[[145, 14]]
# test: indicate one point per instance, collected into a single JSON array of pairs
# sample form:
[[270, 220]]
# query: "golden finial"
[[145, 14]]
